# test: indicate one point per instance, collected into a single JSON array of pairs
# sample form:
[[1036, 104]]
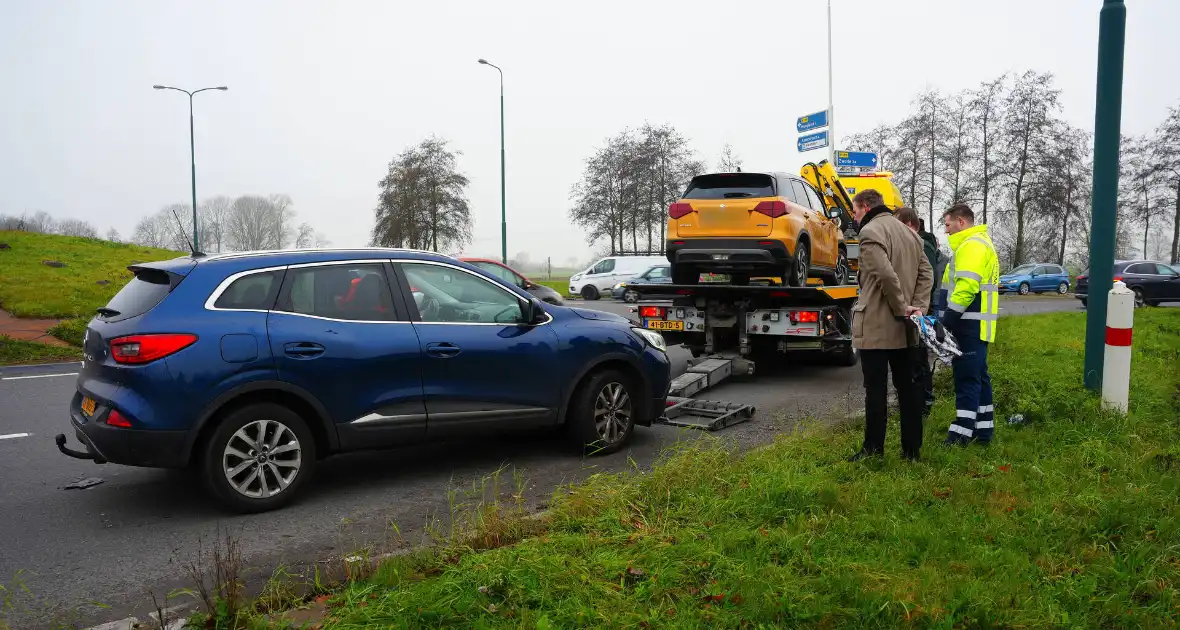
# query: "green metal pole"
[[192, 154], [1112, 28], [503, 197]]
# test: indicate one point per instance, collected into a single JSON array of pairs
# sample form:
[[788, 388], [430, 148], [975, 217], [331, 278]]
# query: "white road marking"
[[13, 435], [20, 378]]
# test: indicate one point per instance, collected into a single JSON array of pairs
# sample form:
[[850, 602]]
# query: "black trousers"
[[877, 364], [924, 376]]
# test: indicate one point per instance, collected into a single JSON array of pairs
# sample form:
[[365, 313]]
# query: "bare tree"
[[627, 184], [730, 162], [306, 236], [930, 129], [252, 225], [909, 159], [987, 111], [1065, 190], [152, 231], [1166, 158], [214, 215], [1028, 122], [76, 227], [113, 236], [955, 150], [1145, 183], [41, 222], [422, 200]]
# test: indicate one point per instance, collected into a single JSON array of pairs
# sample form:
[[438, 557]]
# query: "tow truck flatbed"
[[724, 326]]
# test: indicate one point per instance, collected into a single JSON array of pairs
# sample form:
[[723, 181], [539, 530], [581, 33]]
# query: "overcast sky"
[[323, 94]]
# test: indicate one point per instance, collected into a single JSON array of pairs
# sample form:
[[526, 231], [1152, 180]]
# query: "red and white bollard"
[[1116, 360]]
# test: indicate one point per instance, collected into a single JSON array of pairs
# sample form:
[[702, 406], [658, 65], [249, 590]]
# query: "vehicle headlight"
[[576, 276], [652, 337]]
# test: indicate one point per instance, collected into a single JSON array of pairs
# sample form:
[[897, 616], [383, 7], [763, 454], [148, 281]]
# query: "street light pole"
[[831, 107], [192, 150], [1112, 27], [503, 197]]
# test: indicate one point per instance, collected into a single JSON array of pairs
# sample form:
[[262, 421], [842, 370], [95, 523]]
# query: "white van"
[[603, 275]]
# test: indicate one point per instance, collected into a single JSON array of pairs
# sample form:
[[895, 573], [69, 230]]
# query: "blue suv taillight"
[[139, 349]]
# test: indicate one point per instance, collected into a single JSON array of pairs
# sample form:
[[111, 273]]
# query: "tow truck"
[[837, 191], [725, 327]]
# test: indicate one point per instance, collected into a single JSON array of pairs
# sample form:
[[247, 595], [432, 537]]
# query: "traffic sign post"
[[812, 141], [818, 120], [856, 159]]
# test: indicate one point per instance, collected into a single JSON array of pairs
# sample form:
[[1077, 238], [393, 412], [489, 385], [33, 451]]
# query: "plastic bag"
[[937, 338]]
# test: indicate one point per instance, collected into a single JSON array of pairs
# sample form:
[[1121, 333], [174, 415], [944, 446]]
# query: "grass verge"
[[94, 271], [1068, 520], [561, 285], [13, 352]]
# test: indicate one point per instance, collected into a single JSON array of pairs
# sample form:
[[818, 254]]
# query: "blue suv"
[[253, 366]]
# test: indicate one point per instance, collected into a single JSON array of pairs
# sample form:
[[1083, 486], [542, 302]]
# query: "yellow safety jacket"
[[971, 283]]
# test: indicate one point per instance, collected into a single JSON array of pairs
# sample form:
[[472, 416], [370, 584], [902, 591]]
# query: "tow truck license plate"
[[659, 324], [88, 406]]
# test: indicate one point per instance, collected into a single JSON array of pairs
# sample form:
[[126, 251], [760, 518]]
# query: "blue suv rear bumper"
[[116, 445]]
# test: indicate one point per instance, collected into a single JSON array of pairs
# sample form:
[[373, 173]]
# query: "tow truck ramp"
[[722, 325]]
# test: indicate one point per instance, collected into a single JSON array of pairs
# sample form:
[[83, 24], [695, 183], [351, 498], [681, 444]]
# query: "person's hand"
[[910, 310]]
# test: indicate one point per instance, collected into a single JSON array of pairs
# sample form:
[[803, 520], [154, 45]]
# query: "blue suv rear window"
[[142, 294]]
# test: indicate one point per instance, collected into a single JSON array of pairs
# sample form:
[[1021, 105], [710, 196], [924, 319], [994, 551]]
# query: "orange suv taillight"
[[678, 210], [137, 349], [772, 209]]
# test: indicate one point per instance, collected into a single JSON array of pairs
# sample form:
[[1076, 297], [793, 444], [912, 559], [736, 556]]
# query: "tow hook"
[[60, 440]]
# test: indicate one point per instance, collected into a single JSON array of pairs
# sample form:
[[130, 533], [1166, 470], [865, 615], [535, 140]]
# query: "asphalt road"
[[91, 556]]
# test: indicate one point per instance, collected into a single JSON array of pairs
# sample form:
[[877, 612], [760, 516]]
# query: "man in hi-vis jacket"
[[970, 294]]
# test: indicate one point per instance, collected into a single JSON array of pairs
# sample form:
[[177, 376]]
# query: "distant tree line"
[[627, 184], [1004, 149], [42, 222], [246, 223]]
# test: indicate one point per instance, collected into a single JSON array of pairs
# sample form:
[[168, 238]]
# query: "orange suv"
[[754, 225]]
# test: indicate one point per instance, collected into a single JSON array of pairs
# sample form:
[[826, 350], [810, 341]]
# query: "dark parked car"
[[658, 274], [1035, 278], [1153, 282], [251, 367], [517, 279]]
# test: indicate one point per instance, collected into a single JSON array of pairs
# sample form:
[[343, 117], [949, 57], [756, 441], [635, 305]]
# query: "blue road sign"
[[811, 141], [812, 121], [858, 159]]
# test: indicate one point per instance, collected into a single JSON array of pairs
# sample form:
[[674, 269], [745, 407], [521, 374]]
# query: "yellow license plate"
[[88, 406], [659, 324]]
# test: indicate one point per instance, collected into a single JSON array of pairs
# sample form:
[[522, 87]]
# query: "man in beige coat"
[[895, 280]]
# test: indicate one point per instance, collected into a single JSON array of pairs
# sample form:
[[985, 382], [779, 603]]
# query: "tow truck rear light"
[[678, 210], [116, 419], [772, 209], [138, 349], [651, 311], [804, 317]]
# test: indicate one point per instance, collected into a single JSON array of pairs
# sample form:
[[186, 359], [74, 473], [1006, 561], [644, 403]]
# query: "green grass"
[[1068, 521], [71, 331], [13, 352], [561, 285], [29, 288]]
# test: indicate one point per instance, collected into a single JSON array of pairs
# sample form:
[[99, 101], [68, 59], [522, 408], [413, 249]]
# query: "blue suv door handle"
[[442, 350], [303, 350]]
